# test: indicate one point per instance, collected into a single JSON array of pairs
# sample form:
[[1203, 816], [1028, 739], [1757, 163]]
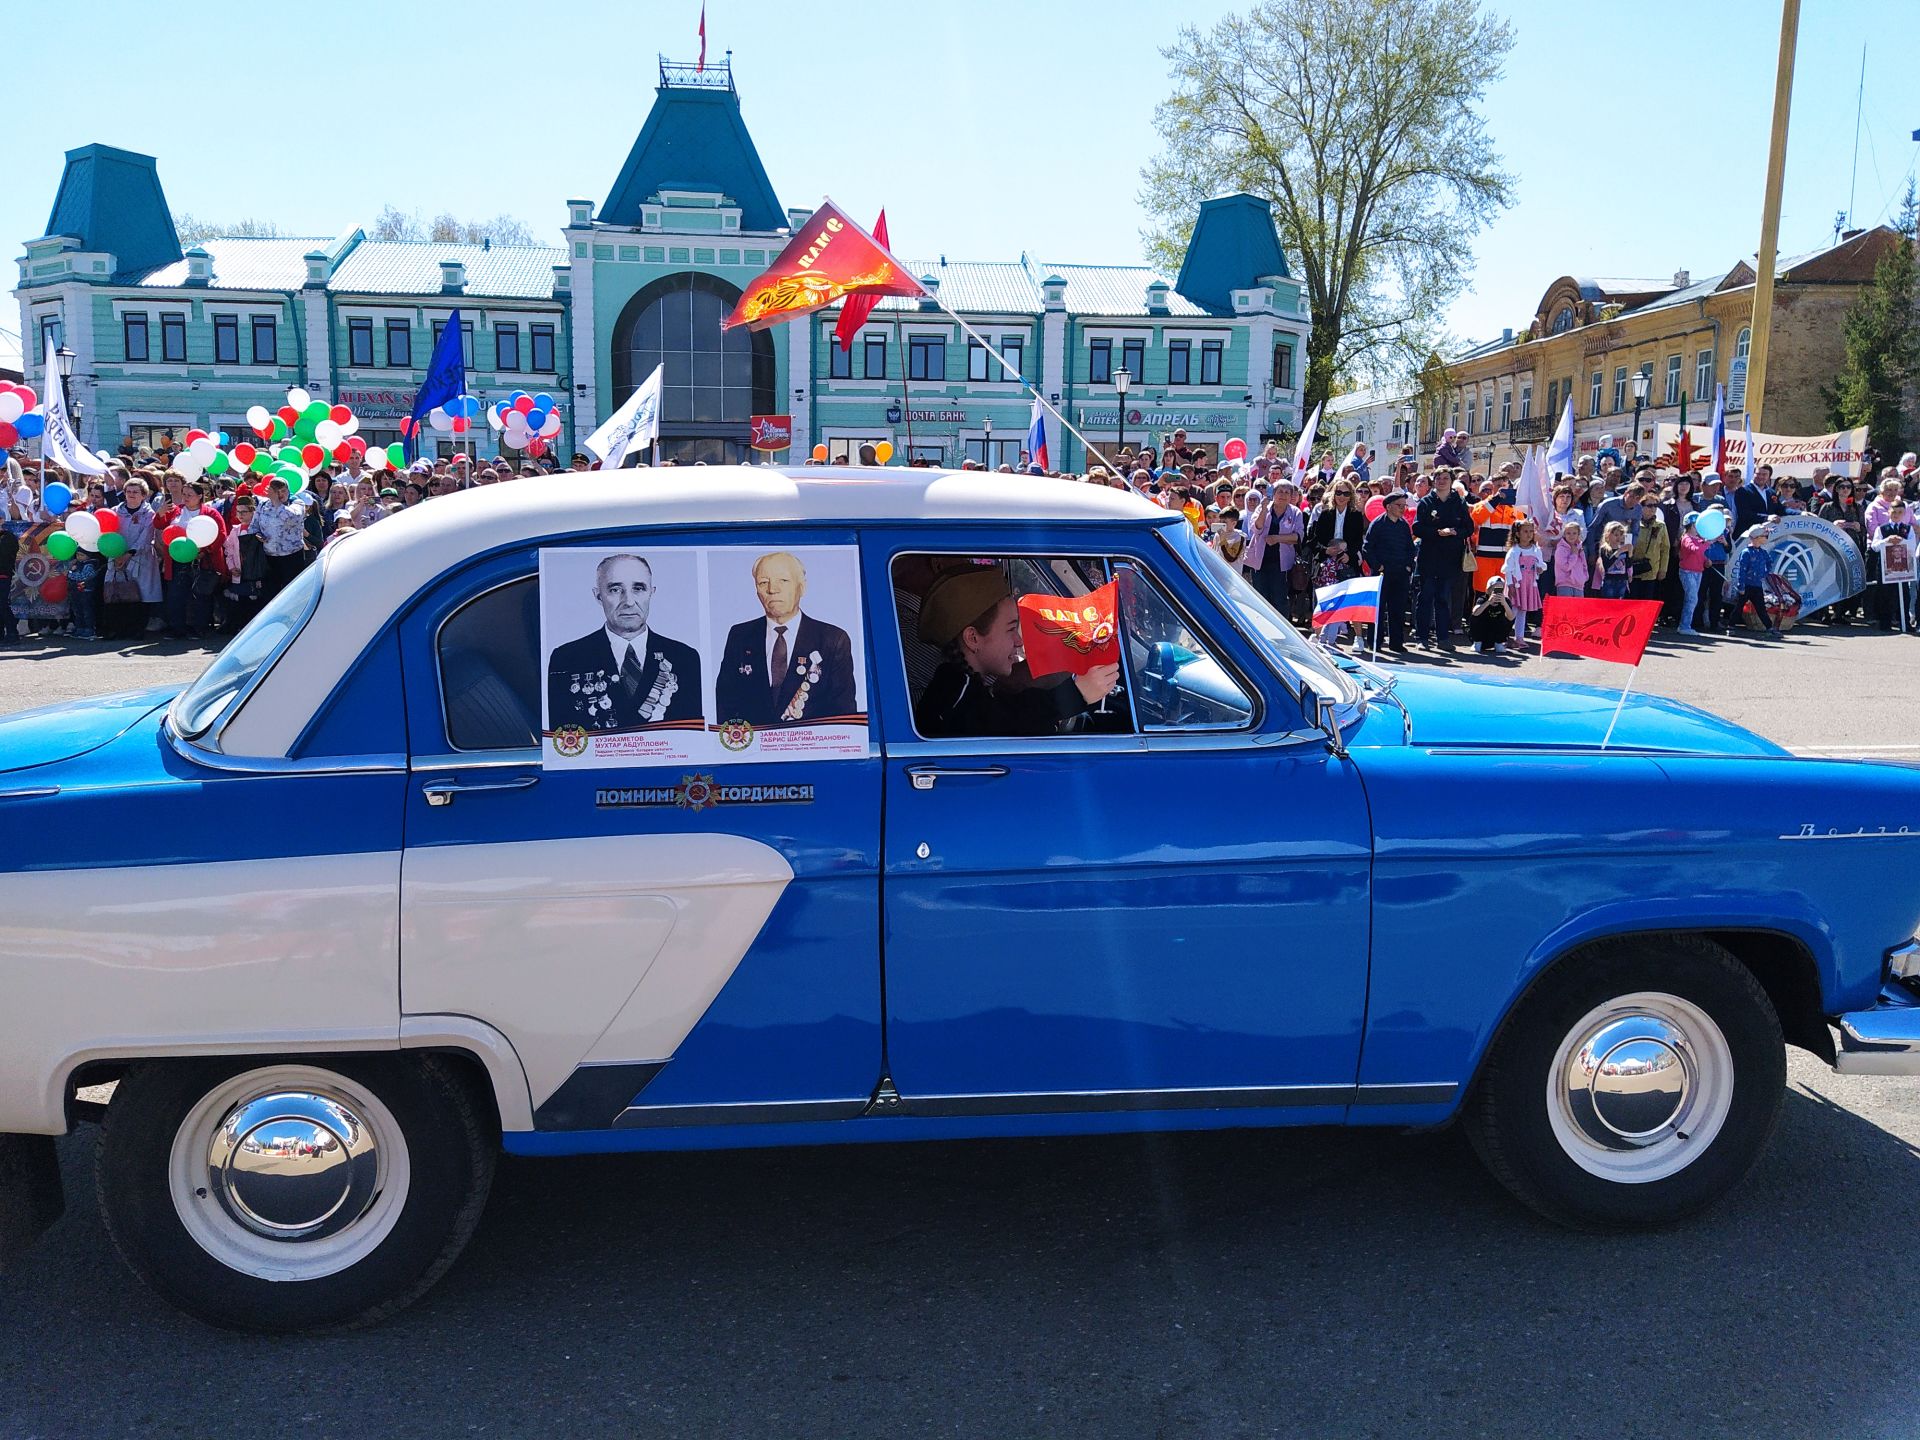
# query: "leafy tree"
[[1882, 345], [1359, 119], [193, 230]]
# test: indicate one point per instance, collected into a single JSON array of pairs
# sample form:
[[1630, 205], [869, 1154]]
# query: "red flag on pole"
[[855, 308], [1615, 630], [701, 64], [829, 257], [1062, 633]]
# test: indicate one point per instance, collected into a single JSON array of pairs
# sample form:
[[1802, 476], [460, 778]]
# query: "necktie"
[[777, 672], [630, 672]]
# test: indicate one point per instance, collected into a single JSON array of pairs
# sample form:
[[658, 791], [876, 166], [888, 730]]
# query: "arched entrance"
[[715, 379]]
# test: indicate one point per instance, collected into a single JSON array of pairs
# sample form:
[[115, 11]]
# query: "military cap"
[[958, 598]]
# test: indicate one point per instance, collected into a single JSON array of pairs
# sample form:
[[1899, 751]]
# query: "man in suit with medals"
[[625, 675], [784, 667]]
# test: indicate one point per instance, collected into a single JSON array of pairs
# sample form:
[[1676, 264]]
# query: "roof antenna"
[[943, 262]]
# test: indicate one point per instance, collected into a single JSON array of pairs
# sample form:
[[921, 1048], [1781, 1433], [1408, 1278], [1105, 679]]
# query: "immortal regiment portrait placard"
[[669, 655]]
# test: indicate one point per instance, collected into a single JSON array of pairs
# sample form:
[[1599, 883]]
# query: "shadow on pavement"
[[1317, 1283]]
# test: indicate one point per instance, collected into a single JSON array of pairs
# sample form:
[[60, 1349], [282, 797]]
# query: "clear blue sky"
[[1637, 130]]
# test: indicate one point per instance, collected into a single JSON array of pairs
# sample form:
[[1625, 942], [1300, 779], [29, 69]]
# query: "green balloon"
[[183, 550], [296, 482], [62, 546], [112, 544], [316, 411], [218, 465], [304, 431], [262, 462], [397, 455]]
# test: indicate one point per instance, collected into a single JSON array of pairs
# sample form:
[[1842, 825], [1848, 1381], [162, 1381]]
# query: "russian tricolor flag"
[[1037, 439], [1718, 444], [1356, 601]]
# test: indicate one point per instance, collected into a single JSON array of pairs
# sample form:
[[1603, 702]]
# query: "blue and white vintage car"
[[520, 820]]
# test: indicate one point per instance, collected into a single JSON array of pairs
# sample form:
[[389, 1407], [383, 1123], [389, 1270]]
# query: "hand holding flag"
[[1063, 634]]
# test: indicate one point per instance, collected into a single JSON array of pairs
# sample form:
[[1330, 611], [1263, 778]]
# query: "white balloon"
[[259, 417], [493, 419], [84, 529], [203, 450], [377, 457], [12, 407], [186, 466], [299, 399], [439, 419], [203, 530], [328, 434], [552, 427], [352, 427]]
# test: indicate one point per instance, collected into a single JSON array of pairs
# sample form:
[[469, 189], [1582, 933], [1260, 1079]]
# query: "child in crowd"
[[1750, 580], [1615, 562], [1491, 624], [1522, 567], [1570, 568]]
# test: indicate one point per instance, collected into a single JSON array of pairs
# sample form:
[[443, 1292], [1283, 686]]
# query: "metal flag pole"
[[906, 397], [1619, 705], [1034, 390]]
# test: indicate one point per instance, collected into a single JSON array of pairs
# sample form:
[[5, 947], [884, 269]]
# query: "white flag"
[[634, 426], [1534, 491], [58, 443], [1560, 448], [1303, 451]]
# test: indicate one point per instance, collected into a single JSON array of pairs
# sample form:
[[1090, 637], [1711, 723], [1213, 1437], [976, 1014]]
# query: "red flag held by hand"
[[1615, 630], [1070, 634]]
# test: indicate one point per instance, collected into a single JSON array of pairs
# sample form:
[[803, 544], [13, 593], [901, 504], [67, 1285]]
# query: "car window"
[[202, 703], [964, 680], [489, 656]]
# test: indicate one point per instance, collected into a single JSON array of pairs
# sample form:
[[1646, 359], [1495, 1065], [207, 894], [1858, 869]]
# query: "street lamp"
[[1122, 378], [1642, 382], [986, 445]]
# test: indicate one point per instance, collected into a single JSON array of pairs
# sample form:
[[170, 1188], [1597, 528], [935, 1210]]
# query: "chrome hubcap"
[[1640, 1087], [294, 1166]]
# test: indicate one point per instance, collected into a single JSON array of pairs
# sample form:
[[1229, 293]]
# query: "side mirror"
[[1320, 713]]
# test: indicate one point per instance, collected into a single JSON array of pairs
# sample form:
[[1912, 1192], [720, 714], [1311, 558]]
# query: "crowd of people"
[[1460, 554], [1457, 551]]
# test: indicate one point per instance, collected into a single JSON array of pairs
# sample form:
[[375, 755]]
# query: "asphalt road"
[[1235, 1284]]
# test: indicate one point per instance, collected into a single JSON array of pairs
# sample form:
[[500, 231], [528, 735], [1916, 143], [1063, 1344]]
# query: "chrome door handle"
[[921, 777], [441, 792]]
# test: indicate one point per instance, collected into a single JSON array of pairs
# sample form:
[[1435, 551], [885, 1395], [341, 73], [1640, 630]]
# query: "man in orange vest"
[[1492, 523]]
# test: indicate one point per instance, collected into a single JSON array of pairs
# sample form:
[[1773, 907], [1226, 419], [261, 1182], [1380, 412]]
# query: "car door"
[[655, 957], [1170, 918]]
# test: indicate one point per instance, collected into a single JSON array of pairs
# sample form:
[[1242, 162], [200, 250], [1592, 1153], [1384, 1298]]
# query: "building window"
[[506, 347], [466, 340], [1283, 366], [1013, 356], [1619, 388], [360, 342], [1562, 320], [1553, 397], [1210, 362], [1703, 375], [1456, 412], [1100, 362], [540, 343], [133, 331], [226, 339], [976, 360], [266, 340], [873, 356], [173, 339], [839, 361], [1598, 384], [1133, 355], [50, 337], [1673, 381], [1179, 363], [1506, 409], [1526, 402], [399, 345], [845, 449], [926, 357], [1004, 452]]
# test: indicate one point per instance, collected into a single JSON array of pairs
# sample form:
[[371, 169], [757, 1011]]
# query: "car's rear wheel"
[[1633, 1085], [293, 1196]]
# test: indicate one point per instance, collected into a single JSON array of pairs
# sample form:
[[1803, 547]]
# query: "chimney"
[[1506, 335], [931, 300], [199, 266], [1681, 279], [318, 267], [1157, 296], [1053, 290], [453, 277]]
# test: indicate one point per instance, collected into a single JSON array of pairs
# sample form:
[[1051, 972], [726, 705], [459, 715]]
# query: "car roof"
[[375, 572]]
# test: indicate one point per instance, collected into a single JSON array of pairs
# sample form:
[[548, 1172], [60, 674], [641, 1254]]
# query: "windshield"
[[1295, 659], [202, 703]]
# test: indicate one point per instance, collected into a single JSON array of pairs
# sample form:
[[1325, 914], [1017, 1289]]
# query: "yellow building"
[[1590, 336]]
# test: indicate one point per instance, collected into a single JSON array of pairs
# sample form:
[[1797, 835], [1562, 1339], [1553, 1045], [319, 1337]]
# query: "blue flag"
[[446, 378]]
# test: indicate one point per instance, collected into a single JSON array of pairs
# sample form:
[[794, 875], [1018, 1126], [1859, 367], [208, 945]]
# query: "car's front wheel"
[[293, 1196], [1634, 1084]]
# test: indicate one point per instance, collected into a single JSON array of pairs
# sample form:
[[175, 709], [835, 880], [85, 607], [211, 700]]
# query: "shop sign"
[[1160, 419], [376, 402], [926, 417], [770, 432]]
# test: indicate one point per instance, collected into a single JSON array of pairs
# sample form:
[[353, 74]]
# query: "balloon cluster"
[[185, 542], [526, 422], [200, 454], [456, 416], [21, 415], [300, 437]]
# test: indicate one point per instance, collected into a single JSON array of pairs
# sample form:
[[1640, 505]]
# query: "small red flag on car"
[[1615, 630], [1070, 634]]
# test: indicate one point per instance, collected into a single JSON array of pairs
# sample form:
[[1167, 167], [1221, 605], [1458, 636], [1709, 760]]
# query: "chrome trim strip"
[[1903, 962], [1069, 1102], [38, 792], [469, 760], [1436, 1093], [772, 1112], [1883, 1039], [280, 765]]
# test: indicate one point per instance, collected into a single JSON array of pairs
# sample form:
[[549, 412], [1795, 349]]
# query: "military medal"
[[808, 670]]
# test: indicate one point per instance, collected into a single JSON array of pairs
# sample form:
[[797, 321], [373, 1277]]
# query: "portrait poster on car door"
[[671, 655]]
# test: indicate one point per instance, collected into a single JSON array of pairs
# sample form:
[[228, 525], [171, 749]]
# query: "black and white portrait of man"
[[624, 675]]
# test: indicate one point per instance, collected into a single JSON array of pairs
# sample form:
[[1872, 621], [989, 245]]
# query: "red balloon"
[[265, 432], [173, 533], [109, 522], [193, 435], [536, 447], [9, 437], [311, 456], [244, 453], [343, 452], [524, 404], [459, 423], [288, 414], [356, 445], [53, 589], [407, 425], [340, 414], [27, 398]]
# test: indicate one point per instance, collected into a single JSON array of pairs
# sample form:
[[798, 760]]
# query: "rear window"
[[489, 652]]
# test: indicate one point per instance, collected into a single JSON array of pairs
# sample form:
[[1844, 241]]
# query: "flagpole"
[[1042, 400], [906, 399], [1619, 706]]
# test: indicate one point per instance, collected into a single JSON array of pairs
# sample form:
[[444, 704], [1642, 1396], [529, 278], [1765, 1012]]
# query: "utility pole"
[[1770, 216]]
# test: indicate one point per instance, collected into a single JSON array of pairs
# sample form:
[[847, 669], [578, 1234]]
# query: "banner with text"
[[1795, 456]]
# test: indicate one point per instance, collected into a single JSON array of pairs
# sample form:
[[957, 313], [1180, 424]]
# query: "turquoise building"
[[167, 338]]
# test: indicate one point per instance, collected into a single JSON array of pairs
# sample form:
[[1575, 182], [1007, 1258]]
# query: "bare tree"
[[396, 224], [1359, 120], [193, 230]]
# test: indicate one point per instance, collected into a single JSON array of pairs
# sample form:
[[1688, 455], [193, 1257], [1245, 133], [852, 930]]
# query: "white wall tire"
[[1633, 1085], [293, 1195]]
